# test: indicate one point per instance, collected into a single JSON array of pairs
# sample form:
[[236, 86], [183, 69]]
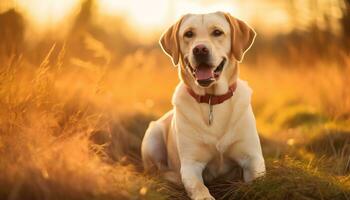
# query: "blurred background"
[[81, 79], [114, 35]]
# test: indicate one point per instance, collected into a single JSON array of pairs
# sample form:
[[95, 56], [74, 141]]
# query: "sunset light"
[[47, 13], [120, 99], [140, 12], [151, 15]]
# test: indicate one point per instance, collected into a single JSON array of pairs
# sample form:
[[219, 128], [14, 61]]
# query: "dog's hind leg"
[[154, 151], [153, 148]]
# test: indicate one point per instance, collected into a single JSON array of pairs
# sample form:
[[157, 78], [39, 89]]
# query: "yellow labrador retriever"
[[212, 122]]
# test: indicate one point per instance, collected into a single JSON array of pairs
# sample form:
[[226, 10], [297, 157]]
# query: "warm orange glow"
[[80, 80], [153, 15], [140, 12], [47, 13]]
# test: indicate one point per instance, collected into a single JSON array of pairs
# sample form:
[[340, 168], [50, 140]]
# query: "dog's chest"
[[196, 122], [221, 117]]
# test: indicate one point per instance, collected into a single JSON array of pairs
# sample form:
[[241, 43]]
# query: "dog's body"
[[194, 136]]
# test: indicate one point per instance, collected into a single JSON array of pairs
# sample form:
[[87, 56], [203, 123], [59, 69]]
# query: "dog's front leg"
[[253, 167], [191, 175], [252, 163]]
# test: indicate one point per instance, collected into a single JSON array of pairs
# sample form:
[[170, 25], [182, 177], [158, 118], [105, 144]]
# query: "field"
[[73, 113]]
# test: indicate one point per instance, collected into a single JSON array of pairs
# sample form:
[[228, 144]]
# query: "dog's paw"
[[204, 197], [200, 192]]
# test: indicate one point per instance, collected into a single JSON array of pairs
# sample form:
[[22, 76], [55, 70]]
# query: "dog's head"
[[207, 44]]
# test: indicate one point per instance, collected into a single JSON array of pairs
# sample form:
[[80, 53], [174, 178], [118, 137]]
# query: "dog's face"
[[207, 44]]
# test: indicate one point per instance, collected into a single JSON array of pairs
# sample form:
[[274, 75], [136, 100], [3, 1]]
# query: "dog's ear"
[[170, 43], [242, 37]]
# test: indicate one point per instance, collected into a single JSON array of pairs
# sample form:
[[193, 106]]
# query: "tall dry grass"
[[47, 145], [70, 129], [281, 91]]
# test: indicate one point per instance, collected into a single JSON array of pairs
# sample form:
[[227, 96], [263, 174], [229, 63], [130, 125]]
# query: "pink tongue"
[[204, 73]]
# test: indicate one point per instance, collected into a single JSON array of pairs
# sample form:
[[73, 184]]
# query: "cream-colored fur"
[[181, 144]]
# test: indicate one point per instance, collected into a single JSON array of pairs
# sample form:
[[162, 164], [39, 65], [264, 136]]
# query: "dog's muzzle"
[[205, 74]]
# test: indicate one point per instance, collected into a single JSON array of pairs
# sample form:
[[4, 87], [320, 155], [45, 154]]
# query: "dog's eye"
[[217, 33], [189, 34]]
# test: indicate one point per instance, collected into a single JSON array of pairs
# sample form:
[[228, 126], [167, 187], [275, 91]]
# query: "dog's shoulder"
[[243, 87], [180, 95], [242, 95]]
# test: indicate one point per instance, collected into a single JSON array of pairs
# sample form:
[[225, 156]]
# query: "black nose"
[[201, 52], [200, 49]]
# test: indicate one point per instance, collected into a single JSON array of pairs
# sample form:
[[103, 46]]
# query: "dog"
[[212, 121]]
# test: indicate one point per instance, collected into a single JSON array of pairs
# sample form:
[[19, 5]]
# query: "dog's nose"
[[200, 50]]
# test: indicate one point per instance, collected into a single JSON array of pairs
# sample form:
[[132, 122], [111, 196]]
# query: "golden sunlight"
[[81, 80], [140, 12], [47, 13], [157, 13], [153, 15]]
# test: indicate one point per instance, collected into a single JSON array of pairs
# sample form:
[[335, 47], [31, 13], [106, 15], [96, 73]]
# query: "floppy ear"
[[242, 36], [170, 43]]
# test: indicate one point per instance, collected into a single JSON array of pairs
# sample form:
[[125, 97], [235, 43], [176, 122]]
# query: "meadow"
[[73, 113]]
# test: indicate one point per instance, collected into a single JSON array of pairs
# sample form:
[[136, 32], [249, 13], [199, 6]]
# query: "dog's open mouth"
[[205, 74]]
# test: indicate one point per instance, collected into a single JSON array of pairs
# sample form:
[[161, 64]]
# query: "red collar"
[[213, 99]]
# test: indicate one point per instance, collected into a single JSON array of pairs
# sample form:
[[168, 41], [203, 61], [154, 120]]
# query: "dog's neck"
[[219, 88]]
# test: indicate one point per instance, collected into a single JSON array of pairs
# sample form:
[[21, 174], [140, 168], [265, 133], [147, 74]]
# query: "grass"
[[72, 134], [71, 127]]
